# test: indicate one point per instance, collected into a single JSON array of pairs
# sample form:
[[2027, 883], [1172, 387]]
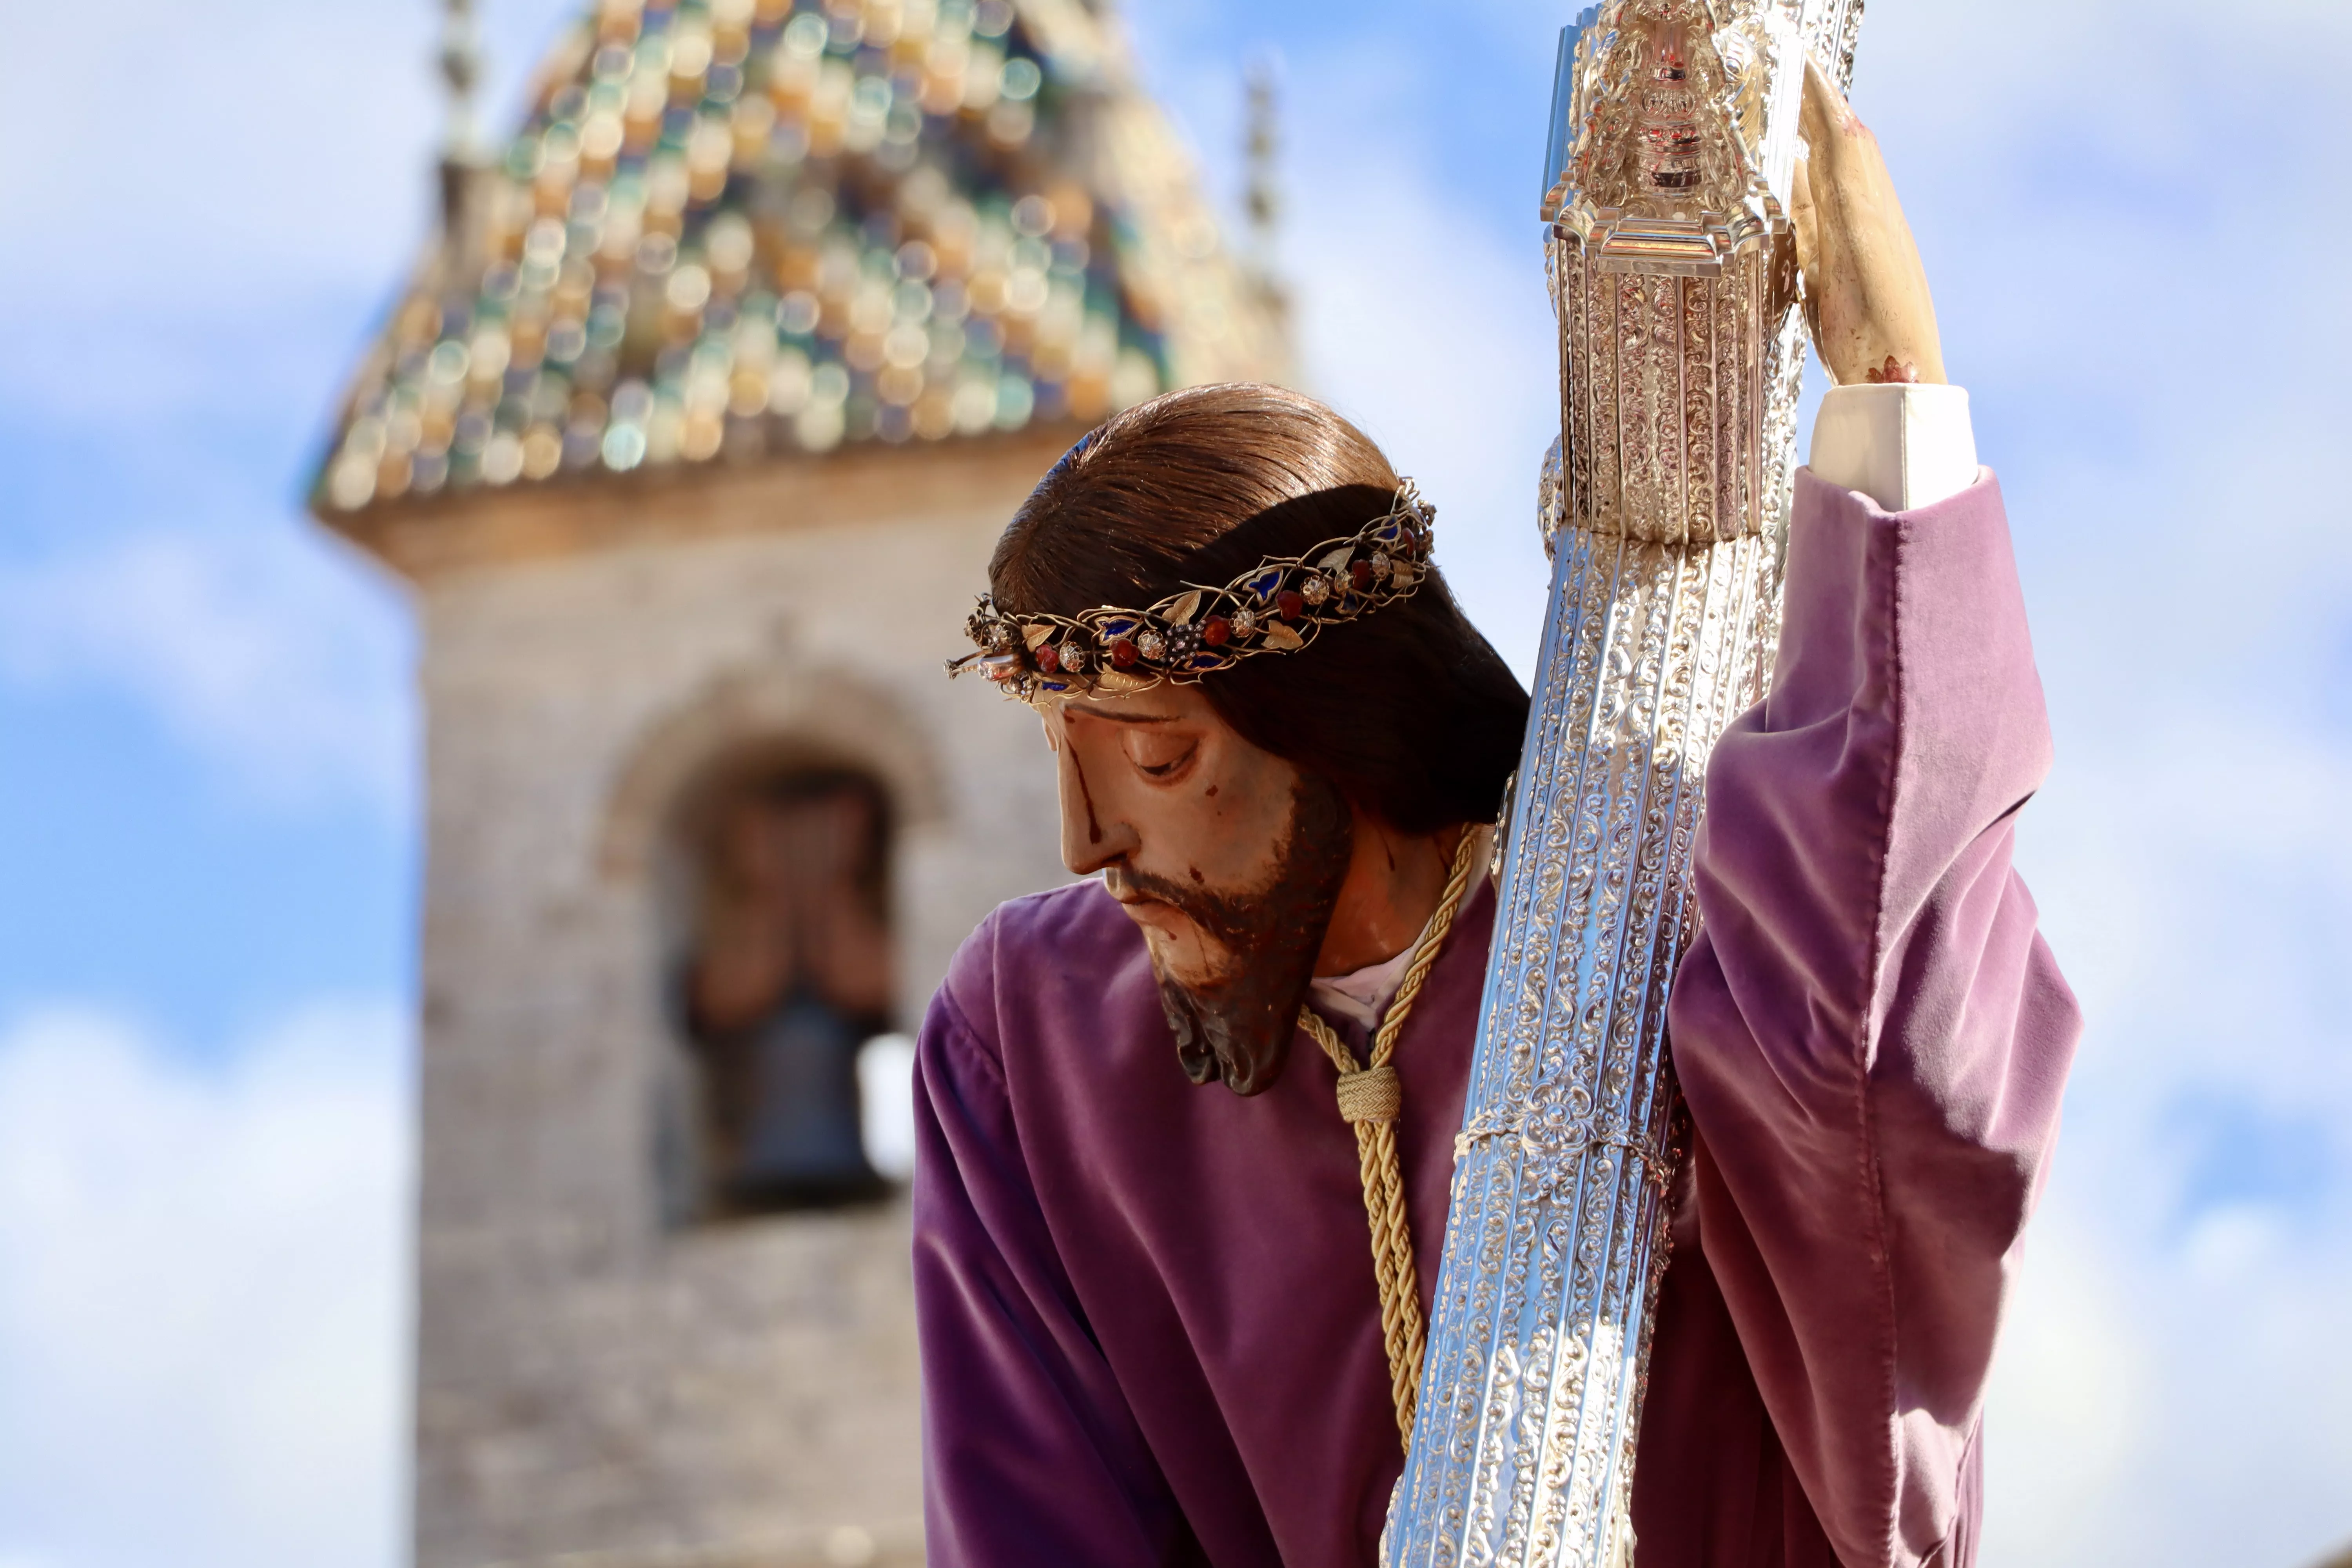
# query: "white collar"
[[1362, 994]]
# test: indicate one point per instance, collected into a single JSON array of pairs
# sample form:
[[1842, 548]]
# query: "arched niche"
[[762, 825], [823, 714]]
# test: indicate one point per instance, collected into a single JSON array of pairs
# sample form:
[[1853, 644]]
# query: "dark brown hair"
[[1409, 711]]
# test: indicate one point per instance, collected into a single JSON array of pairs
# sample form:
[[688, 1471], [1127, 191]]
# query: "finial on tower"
[[1262, 199], [461, 159], [461, 67]]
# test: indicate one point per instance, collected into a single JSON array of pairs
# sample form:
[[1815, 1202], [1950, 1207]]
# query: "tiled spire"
[[771, 228]]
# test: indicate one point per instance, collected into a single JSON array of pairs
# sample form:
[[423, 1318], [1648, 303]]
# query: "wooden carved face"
[[1228, 857]]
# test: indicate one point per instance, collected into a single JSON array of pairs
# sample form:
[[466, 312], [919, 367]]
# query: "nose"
[[1094, 835]]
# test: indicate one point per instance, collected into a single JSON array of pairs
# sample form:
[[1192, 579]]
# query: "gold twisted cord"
[[1370, 1101]]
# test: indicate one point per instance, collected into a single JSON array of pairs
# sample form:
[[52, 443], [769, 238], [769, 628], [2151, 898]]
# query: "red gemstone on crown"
[[1215, 630], [1362, 574], [1122, 653], [1048, 659], [1290, 605]]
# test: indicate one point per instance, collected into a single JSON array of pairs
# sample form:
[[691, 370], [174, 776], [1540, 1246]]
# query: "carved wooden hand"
[[1866, 292]]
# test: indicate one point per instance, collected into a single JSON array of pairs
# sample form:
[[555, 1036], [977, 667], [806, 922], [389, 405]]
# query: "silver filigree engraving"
[[1664, 508]]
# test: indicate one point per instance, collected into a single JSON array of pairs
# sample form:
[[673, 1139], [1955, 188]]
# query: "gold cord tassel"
[[1370, 1099]]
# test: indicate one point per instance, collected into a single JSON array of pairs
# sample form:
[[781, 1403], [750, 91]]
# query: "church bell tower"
[[691, 434]]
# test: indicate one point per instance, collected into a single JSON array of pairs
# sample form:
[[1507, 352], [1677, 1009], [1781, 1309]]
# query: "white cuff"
[[1903, 445]]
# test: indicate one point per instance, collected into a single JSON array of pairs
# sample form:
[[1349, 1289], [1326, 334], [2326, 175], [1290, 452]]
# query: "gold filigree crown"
[[1277, 606]]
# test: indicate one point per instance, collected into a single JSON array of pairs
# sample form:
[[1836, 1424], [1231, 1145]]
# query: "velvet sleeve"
[[1870, 1032], [1030, 1452]]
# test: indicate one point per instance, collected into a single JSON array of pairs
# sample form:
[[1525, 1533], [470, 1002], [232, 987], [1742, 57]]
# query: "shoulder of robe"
[[1039, 944]]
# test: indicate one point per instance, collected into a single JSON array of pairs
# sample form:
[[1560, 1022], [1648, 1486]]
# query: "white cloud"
[[179, 292], [2174, 1388], [236, 169], [240, 191], [203, 1316], [2171, 1390], [285, 666]]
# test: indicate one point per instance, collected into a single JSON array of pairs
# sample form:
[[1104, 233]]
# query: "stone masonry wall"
[[592, 1389]]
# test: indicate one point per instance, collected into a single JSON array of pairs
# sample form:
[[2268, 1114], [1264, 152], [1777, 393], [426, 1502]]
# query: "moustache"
[[1226, 916]]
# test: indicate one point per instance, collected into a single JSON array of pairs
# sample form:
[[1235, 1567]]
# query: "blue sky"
[[2132, 216]]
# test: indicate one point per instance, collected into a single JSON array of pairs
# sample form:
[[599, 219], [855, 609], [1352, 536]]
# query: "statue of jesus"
[[1150, 1334]]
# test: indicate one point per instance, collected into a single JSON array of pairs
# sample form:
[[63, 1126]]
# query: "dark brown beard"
[[1239, 1028]]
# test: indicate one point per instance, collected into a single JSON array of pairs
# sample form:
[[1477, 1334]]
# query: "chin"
[[1181, 955]]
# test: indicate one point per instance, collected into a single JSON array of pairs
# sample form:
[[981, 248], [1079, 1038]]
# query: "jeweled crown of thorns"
[[1277, 606]]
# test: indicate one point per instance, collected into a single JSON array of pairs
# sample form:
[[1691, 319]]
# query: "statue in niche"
[[790, 975]]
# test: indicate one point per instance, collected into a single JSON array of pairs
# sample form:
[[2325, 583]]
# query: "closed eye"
[[1157, 754]]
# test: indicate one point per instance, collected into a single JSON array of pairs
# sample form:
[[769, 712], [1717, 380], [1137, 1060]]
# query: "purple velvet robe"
[[1150, 1330]]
